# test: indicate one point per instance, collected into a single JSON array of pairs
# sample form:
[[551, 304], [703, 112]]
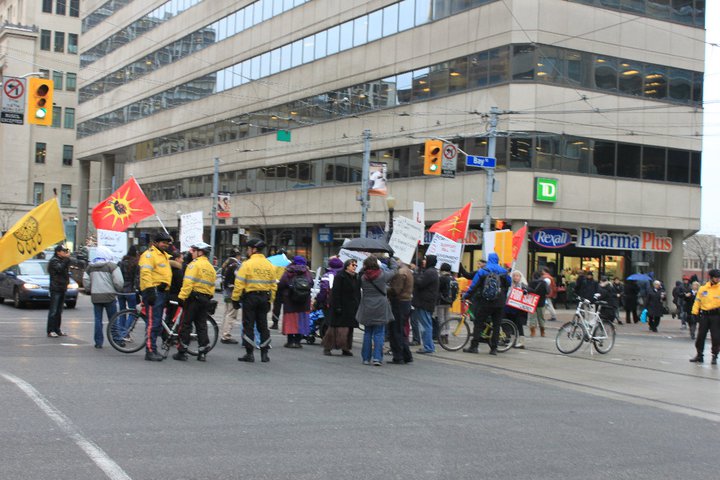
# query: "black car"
[[29, 282]]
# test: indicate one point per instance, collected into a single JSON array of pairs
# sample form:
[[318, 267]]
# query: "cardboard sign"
[[405, 237], [191, 230], [527, 303], [116, 242], [446, 251], [346, 255]]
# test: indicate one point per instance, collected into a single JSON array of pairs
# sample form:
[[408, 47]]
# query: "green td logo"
[[546, 189]]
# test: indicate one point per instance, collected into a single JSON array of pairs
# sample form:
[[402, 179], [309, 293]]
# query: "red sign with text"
[[527, 302]]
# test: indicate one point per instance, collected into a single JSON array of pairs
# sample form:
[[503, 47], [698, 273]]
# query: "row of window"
[[544, 152], [241, 20], [59, 120], [41, 153], [688, 12], [61, 7], [139, 27], [39, 194], [61, 80], [72, 41], [104, 11]]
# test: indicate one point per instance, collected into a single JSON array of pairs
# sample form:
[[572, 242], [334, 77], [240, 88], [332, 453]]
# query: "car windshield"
[[33, 268]]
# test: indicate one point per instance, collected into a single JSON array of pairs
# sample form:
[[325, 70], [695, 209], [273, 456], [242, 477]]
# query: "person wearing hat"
[[197, 291], [229, 268], [255, 285], [59, 270], [103, 279], [707, 309], [294, 289], [155, 279]]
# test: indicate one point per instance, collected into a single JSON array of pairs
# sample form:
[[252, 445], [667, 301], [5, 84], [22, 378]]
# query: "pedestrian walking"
[[103, 279], [229, 268], [536, 319], [655, 304], [59, 270], [294, 290], [374, 311], [343, 302], [518, 317], [155, 278], [689, 300], [630, 301], [552, 293], [707, 309], [400, 295]]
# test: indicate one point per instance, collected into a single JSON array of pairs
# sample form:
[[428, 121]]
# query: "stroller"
[[317, 326]]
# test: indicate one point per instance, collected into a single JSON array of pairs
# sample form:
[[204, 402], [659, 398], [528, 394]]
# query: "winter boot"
[[542, 331], [697, 358], [473, 348], [249, 356], [264, 356], [181, 356], [520, 343], [532, 331]]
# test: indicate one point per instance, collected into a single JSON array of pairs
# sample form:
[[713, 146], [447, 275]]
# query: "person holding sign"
[[519, 317]]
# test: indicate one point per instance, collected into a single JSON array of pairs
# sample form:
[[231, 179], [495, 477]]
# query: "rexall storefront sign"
[[552, 237]]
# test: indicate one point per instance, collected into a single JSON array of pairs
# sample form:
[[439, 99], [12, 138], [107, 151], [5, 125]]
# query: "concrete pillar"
[[522, 260], [83, 203], [316, 249], [107, 173], [673, 264]]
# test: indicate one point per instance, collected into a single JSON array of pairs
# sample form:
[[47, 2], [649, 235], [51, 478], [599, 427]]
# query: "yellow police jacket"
[[199, 277], [154, 268], [708, 298], [256, 274]]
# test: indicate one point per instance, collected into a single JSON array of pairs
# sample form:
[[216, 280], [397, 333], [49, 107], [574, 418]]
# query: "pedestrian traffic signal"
[[40, 101], [500, 225], [433, 157]]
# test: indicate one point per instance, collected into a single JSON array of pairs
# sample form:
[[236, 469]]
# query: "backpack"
[[491, 288], [228, 273], [449, 289], [300, 288]]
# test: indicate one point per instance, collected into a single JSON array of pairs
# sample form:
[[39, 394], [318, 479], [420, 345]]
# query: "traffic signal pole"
[[364, 185], [490, 172]]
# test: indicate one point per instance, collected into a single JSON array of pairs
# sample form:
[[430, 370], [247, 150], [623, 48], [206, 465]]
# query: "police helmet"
[[202, 246], [714, 273], [163, 237], [256, 243]]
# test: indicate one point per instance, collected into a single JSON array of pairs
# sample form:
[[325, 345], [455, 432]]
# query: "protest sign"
[[521, 301], [191, 230], [116, 242], [446, 251], [346, 255], [405, 237]]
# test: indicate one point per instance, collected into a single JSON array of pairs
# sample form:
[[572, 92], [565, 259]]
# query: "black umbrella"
[[372, 245]]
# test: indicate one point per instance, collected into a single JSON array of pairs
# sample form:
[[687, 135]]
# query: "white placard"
[[346, 255], [446, 251], [405, 237], [419, 216], [116, 242], [191, 230]]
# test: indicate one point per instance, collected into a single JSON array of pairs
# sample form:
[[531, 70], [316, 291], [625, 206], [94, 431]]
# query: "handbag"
[[643, 316]]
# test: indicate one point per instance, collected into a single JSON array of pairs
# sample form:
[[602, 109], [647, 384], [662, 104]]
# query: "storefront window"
[[614, 266]]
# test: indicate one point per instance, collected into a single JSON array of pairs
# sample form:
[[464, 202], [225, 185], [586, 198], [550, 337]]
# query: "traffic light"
[[40, 101], [500, 225], [433, 157]]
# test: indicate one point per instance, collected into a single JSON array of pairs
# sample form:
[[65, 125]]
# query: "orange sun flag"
[[127, 205], [455, 226]]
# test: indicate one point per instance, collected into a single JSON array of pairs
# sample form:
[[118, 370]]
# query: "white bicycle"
[[586, 326]]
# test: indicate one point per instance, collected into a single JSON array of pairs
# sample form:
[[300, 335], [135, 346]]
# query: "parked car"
[[29, 282]]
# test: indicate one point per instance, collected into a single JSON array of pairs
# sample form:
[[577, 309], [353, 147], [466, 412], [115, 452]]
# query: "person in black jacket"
[[655, 303], [586, 286], [630, 296], [426, 287], [59, 270]]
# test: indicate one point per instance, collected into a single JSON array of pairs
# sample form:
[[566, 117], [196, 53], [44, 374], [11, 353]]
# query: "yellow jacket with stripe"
[[154, 267], [199, 277], [707, 298], [256, 274]]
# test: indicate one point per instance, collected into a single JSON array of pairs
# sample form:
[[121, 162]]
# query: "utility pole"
[[490, 172], [364, 184], [213, 210]]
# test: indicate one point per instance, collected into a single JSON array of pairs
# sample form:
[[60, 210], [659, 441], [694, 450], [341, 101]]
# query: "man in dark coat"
[[587, 287], [426, 289], [59, 270], [400, 296], [344, 302], [655, 303]]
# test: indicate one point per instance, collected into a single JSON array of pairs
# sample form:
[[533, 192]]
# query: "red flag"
[[128, 204], [455, 226], [517, 241]]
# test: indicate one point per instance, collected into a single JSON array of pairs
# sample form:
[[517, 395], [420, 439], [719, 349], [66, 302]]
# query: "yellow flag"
[[39, 228]]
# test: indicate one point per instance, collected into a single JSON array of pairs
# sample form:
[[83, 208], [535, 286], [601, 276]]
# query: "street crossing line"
[[96, 454]]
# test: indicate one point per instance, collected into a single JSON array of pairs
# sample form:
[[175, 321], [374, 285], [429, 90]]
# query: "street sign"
[[13, 100], [482, 162], [449, 160]]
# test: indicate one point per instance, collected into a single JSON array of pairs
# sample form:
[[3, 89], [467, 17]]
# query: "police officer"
[[707, 306], [256, 285], [197, 291], [155, 278]]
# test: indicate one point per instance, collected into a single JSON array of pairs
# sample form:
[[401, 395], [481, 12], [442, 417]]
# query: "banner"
[[446, 251], [223, 205], [500, 242], [191, 230], [41, 227], [377, 184], [419, 216], [525, 302], [405, 237], [127, 205], [455, 226], [517, 241], [346, 255], [116, 242]]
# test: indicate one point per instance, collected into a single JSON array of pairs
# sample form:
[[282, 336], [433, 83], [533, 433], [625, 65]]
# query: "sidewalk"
[[669, 327]]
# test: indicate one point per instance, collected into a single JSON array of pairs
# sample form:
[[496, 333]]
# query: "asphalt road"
[[70, 411]]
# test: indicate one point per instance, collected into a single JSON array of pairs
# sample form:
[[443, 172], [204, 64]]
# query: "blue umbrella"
[[639, 277], [279, 260]]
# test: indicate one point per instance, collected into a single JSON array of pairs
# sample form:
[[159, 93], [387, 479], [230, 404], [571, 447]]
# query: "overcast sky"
[[711, 137]]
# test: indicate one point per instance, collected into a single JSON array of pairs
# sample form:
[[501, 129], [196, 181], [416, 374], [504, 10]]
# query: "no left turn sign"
[[450, 151]]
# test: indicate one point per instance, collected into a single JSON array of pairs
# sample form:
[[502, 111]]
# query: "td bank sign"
[[546, 189]]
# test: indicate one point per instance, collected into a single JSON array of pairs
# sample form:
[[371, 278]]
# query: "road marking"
[[96, 454]]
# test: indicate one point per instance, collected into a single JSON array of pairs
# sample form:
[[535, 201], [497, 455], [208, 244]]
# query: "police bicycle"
[[586, 326], [127, 330]]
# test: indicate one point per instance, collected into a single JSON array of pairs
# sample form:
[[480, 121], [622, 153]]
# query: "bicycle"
[[586, 326], [455, 333], [124, 323]]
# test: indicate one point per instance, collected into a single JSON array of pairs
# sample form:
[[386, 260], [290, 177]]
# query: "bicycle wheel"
[[454, 334], [126, 331], [603, 336], [570, 337], [508, 335], [212, 331]]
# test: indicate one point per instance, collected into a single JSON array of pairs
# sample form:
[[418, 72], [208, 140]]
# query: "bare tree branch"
[[704, 248]]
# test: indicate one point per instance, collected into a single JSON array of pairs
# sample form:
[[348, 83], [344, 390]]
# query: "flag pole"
[[162, 224]]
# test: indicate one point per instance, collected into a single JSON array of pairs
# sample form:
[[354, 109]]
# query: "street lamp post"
[[390, 202], [179, 214]]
